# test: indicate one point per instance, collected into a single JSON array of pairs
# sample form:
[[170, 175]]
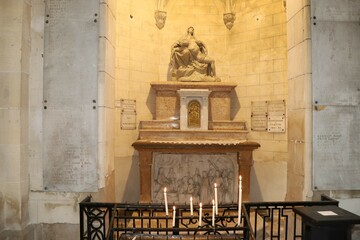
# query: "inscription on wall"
[[335, 41], [128, 113], [70, 128], [268, 116]]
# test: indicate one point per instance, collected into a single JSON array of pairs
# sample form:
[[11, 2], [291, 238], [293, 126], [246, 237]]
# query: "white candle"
[[239, 201], [216, 200], [200, 214], [191, 207], [166, 204], [213, 213], [174, 213]]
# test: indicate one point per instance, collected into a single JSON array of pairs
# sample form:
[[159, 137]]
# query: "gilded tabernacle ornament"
[[194, 114]]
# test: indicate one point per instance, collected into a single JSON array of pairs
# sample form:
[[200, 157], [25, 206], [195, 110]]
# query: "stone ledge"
[[174, 86], [175, 134], [175, 124]]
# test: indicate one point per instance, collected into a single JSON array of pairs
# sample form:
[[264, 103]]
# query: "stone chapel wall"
[[252, 54], [137, 64]]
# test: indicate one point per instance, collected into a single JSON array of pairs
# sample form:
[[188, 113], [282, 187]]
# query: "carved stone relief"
[[194, 175]]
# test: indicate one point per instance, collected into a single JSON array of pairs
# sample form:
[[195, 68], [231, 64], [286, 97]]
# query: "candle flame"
[[164, 189], [200, 205], [213, 201], [215, 185], [174, 208]]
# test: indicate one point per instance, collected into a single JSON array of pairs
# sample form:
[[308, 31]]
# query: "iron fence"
[[259, 220]]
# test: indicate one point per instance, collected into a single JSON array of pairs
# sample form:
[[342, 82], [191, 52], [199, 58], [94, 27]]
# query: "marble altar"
[[188, 160]]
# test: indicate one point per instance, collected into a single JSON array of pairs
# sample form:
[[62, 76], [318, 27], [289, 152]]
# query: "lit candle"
[[174, 213], [191, 207], [239, 201], [166, 204], [200, 214], [216, 200], [213, 213]]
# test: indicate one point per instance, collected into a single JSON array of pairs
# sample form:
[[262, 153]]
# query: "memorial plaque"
[[276, 124], [276, 108], [128, 104], [258, 123], [335, 42], [259, 111], [128, 114], [128, 120], [259, 108], [276, 116], [70, 126]]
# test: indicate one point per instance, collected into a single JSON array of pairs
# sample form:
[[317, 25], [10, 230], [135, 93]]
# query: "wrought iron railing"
[[106, 221], [277, 220], [95, 219], [259, 220]]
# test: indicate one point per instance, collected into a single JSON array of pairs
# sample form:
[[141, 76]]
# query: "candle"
[[191, 207], [200, 214], [216, 200], [174, 213], [213, 213], [239, 201], [166, 204]]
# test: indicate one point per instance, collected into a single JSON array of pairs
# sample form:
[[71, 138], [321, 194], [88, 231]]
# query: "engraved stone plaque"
[[259, 108], [70, 90], [259, 116], [258, 123], [128, 120], [276, 124], [128, 104], [276, 108], [276, 116]]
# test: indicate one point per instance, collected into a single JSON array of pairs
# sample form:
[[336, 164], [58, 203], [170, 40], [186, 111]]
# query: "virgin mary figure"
[[190, 61]]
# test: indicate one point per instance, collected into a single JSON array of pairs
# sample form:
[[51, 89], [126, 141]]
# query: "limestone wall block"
[[263, 90]]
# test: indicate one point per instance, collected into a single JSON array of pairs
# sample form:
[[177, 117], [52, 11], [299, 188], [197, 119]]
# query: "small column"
[[194, 110]]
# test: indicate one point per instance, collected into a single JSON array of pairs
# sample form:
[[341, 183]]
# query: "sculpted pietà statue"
[[190, 61]]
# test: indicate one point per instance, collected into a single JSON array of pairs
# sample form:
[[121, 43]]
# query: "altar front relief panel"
[[194, 175]]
